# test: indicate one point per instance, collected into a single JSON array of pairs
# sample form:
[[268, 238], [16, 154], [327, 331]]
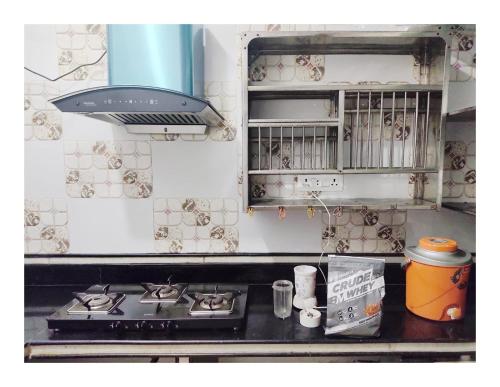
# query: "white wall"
[[118, 217]]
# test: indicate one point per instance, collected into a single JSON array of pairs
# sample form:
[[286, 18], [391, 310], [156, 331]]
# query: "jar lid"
[[438, 251], [438, 244]]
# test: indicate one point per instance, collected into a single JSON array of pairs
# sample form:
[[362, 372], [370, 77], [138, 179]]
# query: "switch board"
[[331, 183]]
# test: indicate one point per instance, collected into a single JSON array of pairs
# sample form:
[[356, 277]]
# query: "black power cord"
[[69, 72]]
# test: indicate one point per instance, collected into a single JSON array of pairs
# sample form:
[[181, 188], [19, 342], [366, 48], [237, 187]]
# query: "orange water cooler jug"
[[437, 276]]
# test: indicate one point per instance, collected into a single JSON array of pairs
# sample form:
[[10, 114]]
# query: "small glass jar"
[[282, 296]]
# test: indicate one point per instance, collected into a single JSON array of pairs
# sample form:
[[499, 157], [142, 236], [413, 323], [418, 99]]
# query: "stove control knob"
[[140, 325]]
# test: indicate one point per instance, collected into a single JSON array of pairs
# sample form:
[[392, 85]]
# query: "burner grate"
[[96, 303], [212, 303], [162, 293]]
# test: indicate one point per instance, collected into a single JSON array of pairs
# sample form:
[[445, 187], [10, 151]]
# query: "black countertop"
[[398, 325]]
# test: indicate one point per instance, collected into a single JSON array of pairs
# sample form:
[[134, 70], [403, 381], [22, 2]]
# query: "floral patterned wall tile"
[[459, 177], [196, 225], [222, 95], [106, 169], [463, 54], [364, 231], [79, 44], [274, 186], [46, 226], [76, 45], [42, 121], [430, 185], [288, 187], [287, 68]]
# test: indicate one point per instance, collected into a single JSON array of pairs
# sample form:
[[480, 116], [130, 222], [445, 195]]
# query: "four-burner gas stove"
[[153, 307]]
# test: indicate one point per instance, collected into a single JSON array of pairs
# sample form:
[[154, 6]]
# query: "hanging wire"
[[327, 239], [69, 72]]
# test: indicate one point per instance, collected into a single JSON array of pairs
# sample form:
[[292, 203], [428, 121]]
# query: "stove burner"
[[96, 302], [162, 293], [165, 291], [213, 301]]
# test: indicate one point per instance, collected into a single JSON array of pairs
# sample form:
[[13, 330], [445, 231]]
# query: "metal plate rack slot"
[[391, 131], [293, 147]]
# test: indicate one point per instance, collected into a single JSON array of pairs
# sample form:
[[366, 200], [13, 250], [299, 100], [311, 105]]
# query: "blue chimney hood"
[[156, 81]]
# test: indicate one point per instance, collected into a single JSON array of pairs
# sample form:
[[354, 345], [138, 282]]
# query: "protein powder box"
[[354, 297]]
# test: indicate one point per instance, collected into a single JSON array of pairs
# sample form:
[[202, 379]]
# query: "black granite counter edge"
[[168, 340], [200, 255], [157, 273], [409, 351], [255, 273], [173, 341], [326, 341]]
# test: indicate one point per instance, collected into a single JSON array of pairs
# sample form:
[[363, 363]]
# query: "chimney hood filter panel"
[[167, 62], [143, 109]]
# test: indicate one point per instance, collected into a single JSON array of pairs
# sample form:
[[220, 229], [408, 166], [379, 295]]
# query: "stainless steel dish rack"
[[282, 147], [370, 131]]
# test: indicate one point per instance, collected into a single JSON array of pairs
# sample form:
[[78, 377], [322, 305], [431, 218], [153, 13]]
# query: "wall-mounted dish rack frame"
[[371, 129]]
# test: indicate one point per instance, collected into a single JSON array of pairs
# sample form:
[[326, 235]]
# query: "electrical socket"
[[331, 183]]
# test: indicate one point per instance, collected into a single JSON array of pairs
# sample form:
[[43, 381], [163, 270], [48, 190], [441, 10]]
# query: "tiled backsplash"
[[45, 226], [287, 68], [182, 194], [42, 121], [196, 225], [459, 175], [364, 231], [80, 44], [463, 55], [108, 169], [459, 178]]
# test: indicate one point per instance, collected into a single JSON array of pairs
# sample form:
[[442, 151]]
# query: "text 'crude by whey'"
[[355, 293]]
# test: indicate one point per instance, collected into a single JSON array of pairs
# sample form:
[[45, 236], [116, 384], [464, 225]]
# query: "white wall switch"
[[332, 183]]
